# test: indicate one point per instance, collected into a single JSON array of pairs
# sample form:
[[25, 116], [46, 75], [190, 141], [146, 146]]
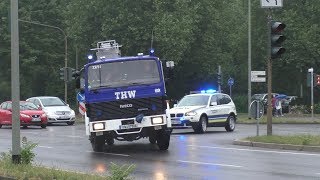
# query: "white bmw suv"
[[56, 109], [204, 110]]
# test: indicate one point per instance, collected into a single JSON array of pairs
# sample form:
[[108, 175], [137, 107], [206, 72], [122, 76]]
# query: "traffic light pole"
[[269, 110]]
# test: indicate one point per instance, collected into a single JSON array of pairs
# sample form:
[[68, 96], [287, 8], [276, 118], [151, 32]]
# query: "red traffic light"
[[317, 80], [277, 27]]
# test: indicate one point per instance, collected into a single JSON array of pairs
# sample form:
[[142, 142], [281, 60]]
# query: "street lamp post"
[[65, 48]]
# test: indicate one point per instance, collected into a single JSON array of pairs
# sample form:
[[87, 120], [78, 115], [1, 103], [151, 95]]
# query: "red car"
[[30, 114]]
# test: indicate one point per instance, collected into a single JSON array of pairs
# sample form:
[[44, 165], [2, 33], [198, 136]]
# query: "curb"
[[277, 146]]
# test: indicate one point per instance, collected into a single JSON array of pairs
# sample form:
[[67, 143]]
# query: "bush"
[[27, 154], [241, 102]]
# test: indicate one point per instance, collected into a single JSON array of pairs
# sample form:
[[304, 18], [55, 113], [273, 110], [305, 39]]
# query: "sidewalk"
[[278, 146]]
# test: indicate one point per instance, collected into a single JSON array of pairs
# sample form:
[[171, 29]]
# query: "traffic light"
[[277, 39], [63, 74], [219, 78], [317, 80]]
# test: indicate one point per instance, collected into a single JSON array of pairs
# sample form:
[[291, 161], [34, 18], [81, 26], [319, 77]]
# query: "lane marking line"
[[213, 164], [114, 154], [256, 150], [48, 147]]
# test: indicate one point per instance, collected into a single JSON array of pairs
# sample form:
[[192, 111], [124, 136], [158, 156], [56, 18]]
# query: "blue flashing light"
[[210, 91], [182, 119], [90, 57], [151, 52]]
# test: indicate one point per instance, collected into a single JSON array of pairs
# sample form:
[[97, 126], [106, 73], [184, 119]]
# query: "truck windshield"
[[123, 73]]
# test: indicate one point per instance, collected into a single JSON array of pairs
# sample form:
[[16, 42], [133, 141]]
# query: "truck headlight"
[[191, 113], [98, 126], [157, 120]]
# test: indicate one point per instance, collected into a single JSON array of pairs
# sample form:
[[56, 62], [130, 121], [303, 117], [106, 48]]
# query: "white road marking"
[[114, 154], [213, 164], [48, 147], [74, 136], [256, 150]]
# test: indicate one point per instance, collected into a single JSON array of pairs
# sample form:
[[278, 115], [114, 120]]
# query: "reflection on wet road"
[[190, 156]]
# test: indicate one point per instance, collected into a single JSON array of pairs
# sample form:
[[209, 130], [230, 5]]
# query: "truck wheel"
[[231, 124], [97, 143], [110, 140], [152, 139], [163, 139], [201, 126]]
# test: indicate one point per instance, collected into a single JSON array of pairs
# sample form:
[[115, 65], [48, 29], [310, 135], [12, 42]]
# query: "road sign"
[[82, 108], [271, 3], [80, 97], [258, 76], [230, 81]]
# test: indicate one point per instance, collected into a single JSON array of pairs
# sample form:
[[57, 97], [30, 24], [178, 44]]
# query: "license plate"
[[63, 117], [157, 127], [175, 122], [36, 119], [128, 126]]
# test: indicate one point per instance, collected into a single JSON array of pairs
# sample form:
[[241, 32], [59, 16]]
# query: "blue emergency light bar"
[[208, 91]]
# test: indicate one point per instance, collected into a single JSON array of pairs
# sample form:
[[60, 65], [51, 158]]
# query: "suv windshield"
[[194, 101], [52, 101], [124, 73]]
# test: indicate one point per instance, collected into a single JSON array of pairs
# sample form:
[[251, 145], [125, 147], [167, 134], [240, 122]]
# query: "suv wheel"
[[97, 143], [70, 123], [0, 125], [201, 126], [231, 123], [43, 126]]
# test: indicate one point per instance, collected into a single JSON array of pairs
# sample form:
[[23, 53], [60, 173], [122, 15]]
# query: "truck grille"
[[129, 108]]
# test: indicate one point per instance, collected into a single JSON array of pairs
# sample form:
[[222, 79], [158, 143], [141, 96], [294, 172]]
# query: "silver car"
[[56, 109]]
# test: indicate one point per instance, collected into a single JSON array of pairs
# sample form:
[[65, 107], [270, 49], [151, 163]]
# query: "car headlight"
[[98, 126], [157, 120], [25, 116], [191, 113]]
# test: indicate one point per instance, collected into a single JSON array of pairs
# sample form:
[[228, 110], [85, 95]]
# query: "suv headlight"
[[72, 113], [191, 113]]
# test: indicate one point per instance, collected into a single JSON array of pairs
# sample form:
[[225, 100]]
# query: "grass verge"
[[310, 140], [286, 119], [27, 171]]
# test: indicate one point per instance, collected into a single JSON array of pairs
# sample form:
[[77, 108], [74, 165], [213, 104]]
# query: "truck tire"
[[152, 139], [201, 126], [230, 124], [163, 139], [110, 140], [98, 143]]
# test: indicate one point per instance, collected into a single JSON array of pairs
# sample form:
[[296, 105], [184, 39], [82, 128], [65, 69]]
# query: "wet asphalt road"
[[190, 156]]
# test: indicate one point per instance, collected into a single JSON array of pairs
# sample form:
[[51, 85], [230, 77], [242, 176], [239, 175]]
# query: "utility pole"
[[269, 75], [249, 56], [15, 83], [219, 79]]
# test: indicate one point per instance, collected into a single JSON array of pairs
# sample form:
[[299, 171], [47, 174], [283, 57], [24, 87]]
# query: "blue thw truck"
[[125, 98]]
